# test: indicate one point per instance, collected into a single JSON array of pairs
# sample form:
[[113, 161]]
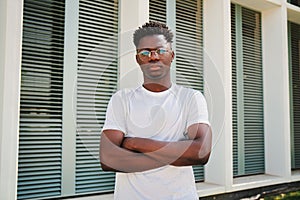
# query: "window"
[[188, 42], [247, 92], [97, 81], [294, 54], [41, 147]]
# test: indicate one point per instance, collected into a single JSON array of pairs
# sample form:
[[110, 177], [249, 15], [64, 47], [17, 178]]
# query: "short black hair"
[[152, 28]]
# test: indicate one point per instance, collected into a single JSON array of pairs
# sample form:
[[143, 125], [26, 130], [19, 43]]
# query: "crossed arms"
[[118, 153]]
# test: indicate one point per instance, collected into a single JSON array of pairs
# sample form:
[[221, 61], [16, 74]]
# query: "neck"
[[156, 87]]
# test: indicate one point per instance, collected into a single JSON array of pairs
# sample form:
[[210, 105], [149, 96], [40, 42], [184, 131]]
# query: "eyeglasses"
[[146, 54]]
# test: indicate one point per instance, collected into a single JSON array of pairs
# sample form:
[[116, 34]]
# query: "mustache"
[[151, 63]]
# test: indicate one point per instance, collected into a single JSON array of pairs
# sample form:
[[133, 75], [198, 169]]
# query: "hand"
[[128, 143], [135, 144]]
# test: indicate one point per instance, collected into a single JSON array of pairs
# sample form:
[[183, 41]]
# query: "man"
[[154, 133]]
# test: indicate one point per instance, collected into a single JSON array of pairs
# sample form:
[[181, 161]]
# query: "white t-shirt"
[[162, 116]]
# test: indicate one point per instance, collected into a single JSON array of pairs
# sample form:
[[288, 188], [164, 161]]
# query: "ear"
[[137, 58], [173, 55]]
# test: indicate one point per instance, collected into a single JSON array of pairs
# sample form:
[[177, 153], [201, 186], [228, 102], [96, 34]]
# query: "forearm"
[[115, 158], [181, 153]]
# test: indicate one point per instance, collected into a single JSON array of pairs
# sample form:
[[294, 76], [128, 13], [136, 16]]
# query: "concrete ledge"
[[256, 193]]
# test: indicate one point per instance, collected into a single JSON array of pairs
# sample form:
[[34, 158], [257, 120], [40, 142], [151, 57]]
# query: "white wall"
[[217, 81], [133, 13], [217, 45], [276, 90], [10, 65]]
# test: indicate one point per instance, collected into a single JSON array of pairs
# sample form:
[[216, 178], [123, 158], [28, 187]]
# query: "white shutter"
[[294, 47], [97, 81], [40, 145], [248, 117]]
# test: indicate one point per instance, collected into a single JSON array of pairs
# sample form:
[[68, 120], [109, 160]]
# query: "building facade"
[[61, 60]]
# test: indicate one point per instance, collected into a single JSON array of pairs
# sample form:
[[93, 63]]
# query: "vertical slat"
[[97, 81], [40, 145], [69, 97]]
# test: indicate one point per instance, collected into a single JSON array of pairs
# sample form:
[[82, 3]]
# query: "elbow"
[[205, 159], [105, 167], [204, 155], [104, 162], [201, 161]]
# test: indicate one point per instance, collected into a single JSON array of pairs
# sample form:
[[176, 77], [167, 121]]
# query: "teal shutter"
[[294, 47], [189, 46], [39, 174], [247, 91], [97, 81]]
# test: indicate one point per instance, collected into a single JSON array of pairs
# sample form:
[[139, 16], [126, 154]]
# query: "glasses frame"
[[156, 51]]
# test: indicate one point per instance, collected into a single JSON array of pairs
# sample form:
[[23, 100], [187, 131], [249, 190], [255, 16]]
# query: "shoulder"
[[124, 95], [190, 97], [125, 92], [186, 92]]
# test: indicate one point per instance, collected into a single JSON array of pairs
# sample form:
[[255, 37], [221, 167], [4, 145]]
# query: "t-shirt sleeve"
[[116, 114], [198, 112]]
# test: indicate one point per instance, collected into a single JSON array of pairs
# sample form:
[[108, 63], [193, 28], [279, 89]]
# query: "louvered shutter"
[[189, 46], [158, 10], [97, 81], [234, 89], [294, 37], [247, 77], [189, 51], [40, 147]]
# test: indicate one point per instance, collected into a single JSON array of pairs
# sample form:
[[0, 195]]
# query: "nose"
[[153, 55]]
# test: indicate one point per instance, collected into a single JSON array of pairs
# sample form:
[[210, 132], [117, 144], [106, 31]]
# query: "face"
[[156, 66]]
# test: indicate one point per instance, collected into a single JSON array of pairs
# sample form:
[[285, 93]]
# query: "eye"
[[144, 53], [161, 51]]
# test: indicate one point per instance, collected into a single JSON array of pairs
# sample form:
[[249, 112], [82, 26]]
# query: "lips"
[[154, 67]]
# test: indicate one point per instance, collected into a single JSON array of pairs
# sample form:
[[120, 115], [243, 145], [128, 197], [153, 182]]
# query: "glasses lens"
[[161, 51], [144, 53]]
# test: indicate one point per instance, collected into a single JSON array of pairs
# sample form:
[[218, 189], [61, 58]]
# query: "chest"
[[155, 117]]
